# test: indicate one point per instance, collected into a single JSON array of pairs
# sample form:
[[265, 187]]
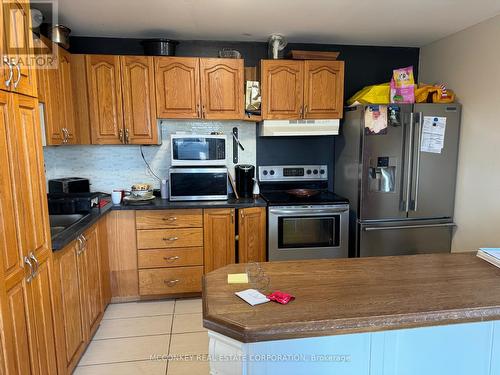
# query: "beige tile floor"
[[130, 333]]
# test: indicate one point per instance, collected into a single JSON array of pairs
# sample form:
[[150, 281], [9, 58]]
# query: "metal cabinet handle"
[[419, 153], [410, 162], [84, 242], [65, 135], [242, 214], [232, 216], [127, 137], [171, 218], [171, 282], [171, 259], [204, 112], [170, 238], [120, 135], [198, 110], [11, 71], [305, 109], [30, 276], [301, 112], [18, 68], [372, 229], [37, 264]]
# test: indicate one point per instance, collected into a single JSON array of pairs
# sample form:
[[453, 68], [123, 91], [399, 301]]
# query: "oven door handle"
[[308, 211]]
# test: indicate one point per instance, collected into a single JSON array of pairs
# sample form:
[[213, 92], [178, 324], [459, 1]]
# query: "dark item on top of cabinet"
[[159, 47], [244, 180]]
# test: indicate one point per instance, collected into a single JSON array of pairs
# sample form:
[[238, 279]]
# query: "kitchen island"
[[421, 314]]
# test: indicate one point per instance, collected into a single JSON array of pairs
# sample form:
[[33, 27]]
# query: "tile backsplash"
[[112, 167]]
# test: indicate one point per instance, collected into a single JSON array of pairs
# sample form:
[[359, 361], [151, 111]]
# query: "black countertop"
[[61, 239]]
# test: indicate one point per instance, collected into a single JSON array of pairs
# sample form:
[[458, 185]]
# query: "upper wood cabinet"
[[105, 99], [222, 88], [294, 89], [18, 44], [139, 105], [121, 99], [55, 92], [323, 89], [199, 88], [282, 87], [219, 237], [252, 234], [177, 87]]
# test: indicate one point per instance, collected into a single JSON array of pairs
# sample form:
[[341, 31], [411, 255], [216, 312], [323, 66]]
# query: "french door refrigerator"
[[400, 180]]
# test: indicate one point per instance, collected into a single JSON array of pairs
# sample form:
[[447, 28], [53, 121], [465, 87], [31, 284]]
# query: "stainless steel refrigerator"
[[400, 180]]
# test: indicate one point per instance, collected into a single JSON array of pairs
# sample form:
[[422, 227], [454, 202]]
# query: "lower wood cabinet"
[[220, 237], [174, 280], [252, 235], [79, 288]]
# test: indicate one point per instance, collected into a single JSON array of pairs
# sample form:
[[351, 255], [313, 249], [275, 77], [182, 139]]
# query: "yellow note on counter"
[[237, 278]]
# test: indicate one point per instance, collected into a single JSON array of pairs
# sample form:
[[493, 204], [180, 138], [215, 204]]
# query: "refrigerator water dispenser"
[[382, 175]]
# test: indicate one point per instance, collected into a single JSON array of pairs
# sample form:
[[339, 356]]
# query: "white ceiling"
[[364, 22]]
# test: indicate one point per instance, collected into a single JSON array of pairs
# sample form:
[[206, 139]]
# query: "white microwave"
[[198, 150]]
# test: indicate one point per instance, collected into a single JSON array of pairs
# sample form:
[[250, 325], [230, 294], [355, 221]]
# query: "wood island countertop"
[[346, 296]]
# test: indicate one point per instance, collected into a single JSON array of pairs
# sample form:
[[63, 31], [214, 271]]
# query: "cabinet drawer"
[[161, 238], [170, 280], [190, 256], [190, 218]]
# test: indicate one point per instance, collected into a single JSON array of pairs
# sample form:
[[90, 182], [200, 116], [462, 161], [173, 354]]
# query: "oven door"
[[196, 184], [308, 232], [207, 150]]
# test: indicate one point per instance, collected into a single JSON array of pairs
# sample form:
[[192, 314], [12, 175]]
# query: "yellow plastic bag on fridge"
[[433, 94], [375, 94]]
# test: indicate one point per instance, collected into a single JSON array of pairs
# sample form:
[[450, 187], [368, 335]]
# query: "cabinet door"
[[81, 112], [29, 177], [69, 306], [92, 280], [10, 251], [49, 93], [19, 44], [282, 89], [105, 98], [104, 259], [139, 104], [252, 235], [177, 87], [323, 89], [4, 68], [222, 88], [219, 237], [21, 346], [66, 95], [41, 292]]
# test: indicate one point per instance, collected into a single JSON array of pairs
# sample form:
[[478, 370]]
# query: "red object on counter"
[[280, 297], [103, 202]]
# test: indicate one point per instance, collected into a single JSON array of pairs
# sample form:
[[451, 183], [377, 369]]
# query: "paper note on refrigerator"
[[433, 132]]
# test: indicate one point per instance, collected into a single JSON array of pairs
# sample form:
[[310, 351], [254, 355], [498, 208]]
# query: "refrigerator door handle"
[[372, 229], [417, 167], [408, 165]]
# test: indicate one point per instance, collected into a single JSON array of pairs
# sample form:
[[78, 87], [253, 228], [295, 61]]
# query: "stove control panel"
[[293, 173]]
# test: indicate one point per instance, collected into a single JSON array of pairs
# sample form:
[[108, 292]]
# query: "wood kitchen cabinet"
[[121, 99], [105, 99], [208, 88], [27, 257], [55, 92], [219, 237], [252, 234], [222, 85], [79, 295], [177, 87], [323, 89], [18, 44], [139, 105], [293, 89]]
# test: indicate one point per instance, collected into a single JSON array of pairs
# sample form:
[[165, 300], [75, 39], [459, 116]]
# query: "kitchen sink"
[[58, 223]]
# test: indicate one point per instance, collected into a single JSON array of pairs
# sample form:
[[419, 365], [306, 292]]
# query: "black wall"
[[364, 65]]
